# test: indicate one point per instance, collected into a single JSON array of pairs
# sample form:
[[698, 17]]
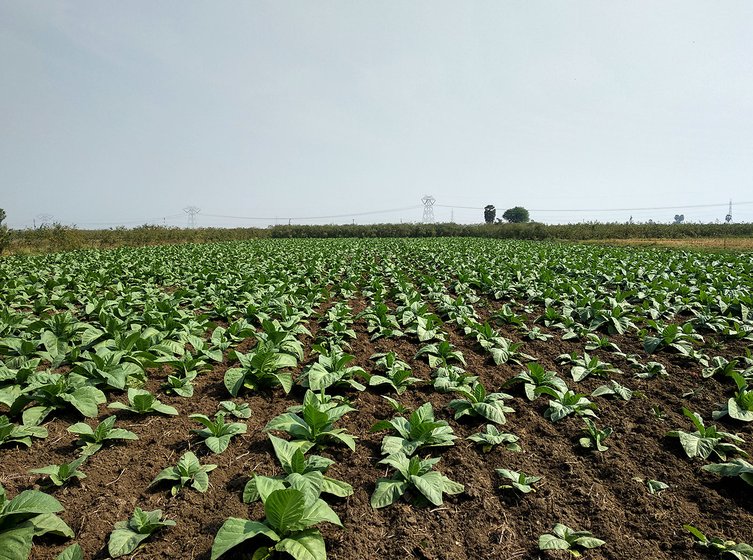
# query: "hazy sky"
[[127, 112]]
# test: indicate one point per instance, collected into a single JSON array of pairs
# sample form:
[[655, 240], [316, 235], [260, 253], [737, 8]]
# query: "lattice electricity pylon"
[[43, 220], [191, 211], [728, 217], [429, 202]]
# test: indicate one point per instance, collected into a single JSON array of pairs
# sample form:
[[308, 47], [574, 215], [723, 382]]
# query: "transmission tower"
[[191, 211], [43, 220], [429, 202], [728, 217]]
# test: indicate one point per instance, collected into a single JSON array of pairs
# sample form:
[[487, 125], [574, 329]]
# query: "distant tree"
[[516, 215], [679, 218], [490, 212], [4, 233]]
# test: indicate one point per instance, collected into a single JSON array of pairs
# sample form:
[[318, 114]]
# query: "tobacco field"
[[448, 398]]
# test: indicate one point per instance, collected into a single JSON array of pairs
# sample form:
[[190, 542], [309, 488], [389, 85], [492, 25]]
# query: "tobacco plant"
[[514, 480], [565, 404], [188, 470], [565, 538], [306, 473], [416, 476], [315, 423], [128, 535], [739, 407], [536, 376], [289, 527], [726, 548], [263, 368], [477, 402], [91, 439], [419, 431], [141, 401], [706, 439], [29, 514], [19, 433], [239, 410], [397, 373], [332, 370], [217, 433], [594, 437], [63, 473], [491, 437]]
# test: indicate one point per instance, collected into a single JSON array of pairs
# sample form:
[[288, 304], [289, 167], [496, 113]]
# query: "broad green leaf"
[[32, 501], [15, 544], [550, 542], [234, 531], [73, 552], [285, 508], [387, 491], [124, 541], [304, 545], [50, 523]]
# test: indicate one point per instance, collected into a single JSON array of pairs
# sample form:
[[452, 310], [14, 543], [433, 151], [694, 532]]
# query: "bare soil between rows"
[[600, 492]]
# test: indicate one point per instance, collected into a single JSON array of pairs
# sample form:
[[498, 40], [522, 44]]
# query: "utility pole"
[[429, 202], [191, 211]]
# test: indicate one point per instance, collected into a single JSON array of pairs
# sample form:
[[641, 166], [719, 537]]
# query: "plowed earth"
[[600, 492]]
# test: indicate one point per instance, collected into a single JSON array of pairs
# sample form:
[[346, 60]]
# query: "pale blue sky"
[[126, 112]]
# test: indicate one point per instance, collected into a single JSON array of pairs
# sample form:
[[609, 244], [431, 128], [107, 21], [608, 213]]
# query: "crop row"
[[81, 329]]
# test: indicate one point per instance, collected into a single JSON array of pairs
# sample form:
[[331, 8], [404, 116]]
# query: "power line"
[[607, 209], [352, 214]]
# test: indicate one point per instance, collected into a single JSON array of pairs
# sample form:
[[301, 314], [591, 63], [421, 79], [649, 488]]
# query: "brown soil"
[[584, 490]]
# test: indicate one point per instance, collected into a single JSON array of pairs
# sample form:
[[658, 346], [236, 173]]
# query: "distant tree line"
[[57, 237]]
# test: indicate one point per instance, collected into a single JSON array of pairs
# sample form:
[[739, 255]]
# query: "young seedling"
[[332, 369], [564, 538], [741, 551], [477, 402], [64, 473], [706, 440], [217, 433], [649, 370], [188, 470], [289, 527], [304, 473], [450, 378], [739, 407], [316, 422], [518, 480], [537, 376], [241, 410], [92, 440], [440, 354], [128, 535], [141, 401], [611, 387], [264, 368], [491, 437], [18, 433], [181, 385], [594, 437], [397, 373], [413, 474], [590, 365], [420, 430], [565, 404]]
